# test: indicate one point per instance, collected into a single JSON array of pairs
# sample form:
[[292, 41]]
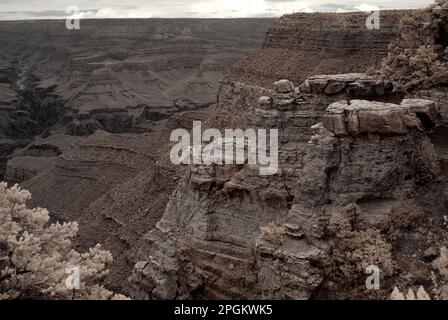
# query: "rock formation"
[[85, 123], [351, 149], [212, 240]]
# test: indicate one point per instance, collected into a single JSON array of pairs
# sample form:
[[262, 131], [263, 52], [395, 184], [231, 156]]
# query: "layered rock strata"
[[300, 45], [117, 74], [228, 232]]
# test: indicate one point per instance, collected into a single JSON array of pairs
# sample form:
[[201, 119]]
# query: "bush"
[[273, 233], [419, 58], [352, 255], [352, 251], [35, 256], [402, 218]]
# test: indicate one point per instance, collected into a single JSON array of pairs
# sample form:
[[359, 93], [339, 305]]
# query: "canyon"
[[86, 121], [85, 113]]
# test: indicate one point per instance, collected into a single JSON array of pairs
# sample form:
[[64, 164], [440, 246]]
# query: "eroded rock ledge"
[[219, 236]]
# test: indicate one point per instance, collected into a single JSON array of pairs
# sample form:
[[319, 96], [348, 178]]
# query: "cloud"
[[332, 7], [248, 8], [54, 9], [110, 13], [366, 7]]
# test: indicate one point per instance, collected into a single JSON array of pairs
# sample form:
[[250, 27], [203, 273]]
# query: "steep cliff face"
[[351, 152], [361, 173], [349, 148], [300, 45], [228, 232]]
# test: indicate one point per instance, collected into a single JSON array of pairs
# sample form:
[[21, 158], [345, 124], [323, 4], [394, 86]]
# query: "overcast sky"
[[50, 9]]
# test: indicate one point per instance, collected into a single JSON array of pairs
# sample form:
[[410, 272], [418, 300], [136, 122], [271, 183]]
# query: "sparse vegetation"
[[273, 233], [402, 218], [353, 254], [419, 58], [35, 255], [354, 250]]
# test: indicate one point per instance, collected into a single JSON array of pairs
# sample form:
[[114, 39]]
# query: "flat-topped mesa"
[[364, 117]]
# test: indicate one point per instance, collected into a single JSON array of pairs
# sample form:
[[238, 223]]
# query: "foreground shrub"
[[37, 258], [273, 233], [419, 58]]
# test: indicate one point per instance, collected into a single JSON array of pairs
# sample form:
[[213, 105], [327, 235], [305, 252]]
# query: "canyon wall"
[[115, 75], [230, 233], [349, 146], [358, 162], [300, 45], [86, 115]]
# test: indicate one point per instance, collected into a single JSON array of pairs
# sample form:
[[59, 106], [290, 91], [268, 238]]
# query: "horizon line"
[[214, 18]]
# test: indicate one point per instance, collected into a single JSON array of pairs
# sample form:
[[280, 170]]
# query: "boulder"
[[363, 117], [284, 86], [265, 102]]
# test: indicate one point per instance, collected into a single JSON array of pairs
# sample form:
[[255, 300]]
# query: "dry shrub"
[[351, 256], [35, 255], [417, 59], [441, 263], [427, 161], [355, 250], [273, 233], [402, 218], [341, 223]]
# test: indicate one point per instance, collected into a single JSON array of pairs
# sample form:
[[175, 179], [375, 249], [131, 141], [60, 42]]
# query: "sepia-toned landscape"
[[356, 208]]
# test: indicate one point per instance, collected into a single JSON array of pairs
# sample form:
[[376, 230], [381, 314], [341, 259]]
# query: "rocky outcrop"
[[347, 145], [363, 117], [367, 150], [294, 110], [440, 98], [228, 232]]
